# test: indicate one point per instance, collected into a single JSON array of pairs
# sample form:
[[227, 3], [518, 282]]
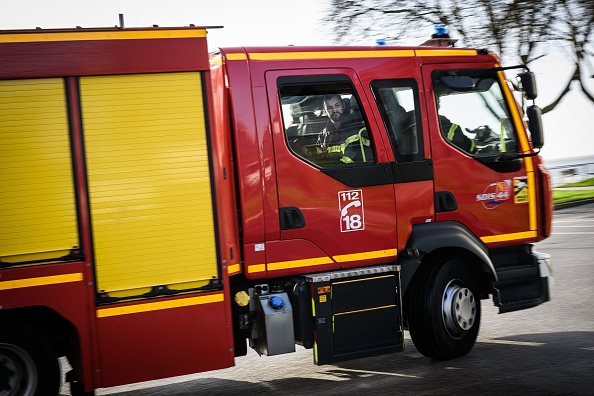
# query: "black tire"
[[444, 310], [28, 365]]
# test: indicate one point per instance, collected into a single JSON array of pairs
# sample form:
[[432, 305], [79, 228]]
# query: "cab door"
[[331, 214], [481, 180]]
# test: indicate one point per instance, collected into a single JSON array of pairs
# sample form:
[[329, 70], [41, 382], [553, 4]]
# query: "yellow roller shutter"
[[149, 183], [37, 202]]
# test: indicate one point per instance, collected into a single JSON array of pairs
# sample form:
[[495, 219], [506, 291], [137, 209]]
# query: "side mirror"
[[535, 125], [528, 84]]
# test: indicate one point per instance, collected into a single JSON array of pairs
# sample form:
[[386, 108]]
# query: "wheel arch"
[[57, 329], [30, 352], [434, 242]]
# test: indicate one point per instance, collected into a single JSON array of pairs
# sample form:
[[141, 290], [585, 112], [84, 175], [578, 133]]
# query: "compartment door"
[[149, 182], [37, 201]]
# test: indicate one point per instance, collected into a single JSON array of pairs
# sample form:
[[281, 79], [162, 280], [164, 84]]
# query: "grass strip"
[[563, 196]]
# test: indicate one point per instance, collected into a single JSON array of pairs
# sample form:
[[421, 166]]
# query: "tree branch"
[[565, 91]]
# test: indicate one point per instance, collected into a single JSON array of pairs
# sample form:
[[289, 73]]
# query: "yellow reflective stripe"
[[256, 268], [532, 196], [363, 156], [281, 265], [41, 281], [363, 142], [357, 137], [351, 139], [472, 145], [215, 60], [343, 258], [108, 35], [365, 310], [233, 268], [337, 148], [241, 56], [160, 305], [509, 237], [524, 147], [330, 54], [451, 131], [445, 52], [362, 280]]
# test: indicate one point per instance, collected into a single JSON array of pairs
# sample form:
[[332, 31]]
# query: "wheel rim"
[[18, 375], [458, 309]]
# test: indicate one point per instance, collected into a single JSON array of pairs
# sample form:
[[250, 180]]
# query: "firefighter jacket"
[[347, 144], [453, 133]]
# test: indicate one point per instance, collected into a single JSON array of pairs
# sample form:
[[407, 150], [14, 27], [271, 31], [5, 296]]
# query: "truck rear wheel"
[[27, 364], [444, 310]]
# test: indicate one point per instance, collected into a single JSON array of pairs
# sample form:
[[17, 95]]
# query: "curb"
[[573, 203]]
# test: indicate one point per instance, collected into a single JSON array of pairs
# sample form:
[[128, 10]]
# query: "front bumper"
[[545, 269], [524, 279]]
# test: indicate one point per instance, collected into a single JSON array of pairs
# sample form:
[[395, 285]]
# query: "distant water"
[[568, 170]]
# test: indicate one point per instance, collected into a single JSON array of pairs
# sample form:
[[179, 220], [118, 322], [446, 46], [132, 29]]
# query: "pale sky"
[[569, 129]]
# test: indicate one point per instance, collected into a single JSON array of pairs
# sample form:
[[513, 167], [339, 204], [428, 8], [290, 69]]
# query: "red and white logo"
[[350, 205], [495, 194]]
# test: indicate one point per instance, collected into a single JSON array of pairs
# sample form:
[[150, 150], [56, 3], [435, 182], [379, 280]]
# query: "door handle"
[[445, 201], [291, 218]]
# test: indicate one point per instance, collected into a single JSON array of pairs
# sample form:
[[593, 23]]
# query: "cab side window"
[[398, 102], [323, 123]]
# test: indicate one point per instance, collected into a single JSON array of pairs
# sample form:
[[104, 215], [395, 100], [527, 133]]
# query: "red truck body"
[[166, 206]]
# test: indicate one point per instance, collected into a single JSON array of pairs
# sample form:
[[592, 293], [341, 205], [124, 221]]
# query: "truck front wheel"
[[27, 364], [444, 310]]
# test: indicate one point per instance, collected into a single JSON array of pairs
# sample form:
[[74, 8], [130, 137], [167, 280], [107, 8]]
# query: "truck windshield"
[[476, 120]]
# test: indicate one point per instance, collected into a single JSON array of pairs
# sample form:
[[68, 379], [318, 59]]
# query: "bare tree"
[[520, 31], [574, 33]]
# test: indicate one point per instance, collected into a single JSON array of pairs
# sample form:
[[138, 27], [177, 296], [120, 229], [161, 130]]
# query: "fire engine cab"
[[164, 208]]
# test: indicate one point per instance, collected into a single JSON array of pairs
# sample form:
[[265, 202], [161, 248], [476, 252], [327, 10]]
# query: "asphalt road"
[[547, 350]]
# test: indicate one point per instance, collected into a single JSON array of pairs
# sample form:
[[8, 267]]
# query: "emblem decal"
[[495, 194], [520, 190], [350, 205]]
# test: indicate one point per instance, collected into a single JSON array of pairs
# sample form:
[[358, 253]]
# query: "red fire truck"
[[164, 208]]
